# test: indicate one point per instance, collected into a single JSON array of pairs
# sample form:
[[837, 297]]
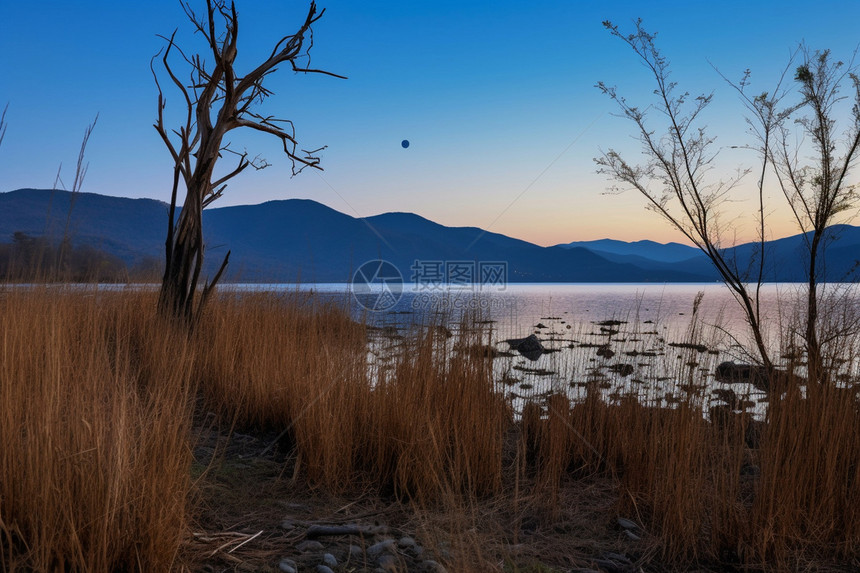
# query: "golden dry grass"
[[95, 421], [98, 397]]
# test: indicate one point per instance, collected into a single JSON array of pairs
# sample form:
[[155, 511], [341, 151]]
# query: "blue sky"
[[496, 98]]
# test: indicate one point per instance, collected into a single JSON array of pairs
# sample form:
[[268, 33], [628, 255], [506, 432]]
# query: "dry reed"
[[98, 394], [94, 468]]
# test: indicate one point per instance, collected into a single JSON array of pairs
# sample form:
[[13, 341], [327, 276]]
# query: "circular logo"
[[404, 143], [377, 285]]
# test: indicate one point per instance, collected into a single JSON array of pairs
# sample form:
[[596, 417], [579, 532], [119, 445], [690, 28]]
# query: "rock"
[[443, 331], [306, 546], [287, 566], [384, 546], [627, 524], [387, 562], [727, 395], [355, 552], [410, 546], [315, 531], [329, 559], [323, 569], [617, 557], [734, 373], [622, 370], [287, 525], [605, 351], [631, 536], [430, 566], [530, 347]]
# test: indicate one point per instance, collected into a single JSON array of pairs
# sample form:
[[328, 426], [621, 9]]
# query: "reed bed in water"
[[98, 399]]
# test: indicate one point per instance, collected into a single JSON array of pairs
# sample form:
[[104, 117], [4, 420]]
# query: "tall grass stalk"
[[95, 420]]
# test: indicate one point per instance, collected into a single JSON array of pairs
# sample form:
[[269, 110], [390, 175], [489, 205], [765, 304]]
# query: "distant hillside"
[[130, 229], [665, 253], [302, 240], [786, 259]]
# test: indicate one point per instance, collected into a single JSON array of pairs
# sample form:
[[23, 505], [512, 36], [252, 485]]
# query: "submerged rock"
[[605, 351], [622, 369], [530, 346], [735, 373]]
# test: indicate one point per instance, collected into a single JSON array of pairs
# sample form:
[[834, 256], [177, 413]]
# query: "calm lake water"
[[659, 348], [517, 308]]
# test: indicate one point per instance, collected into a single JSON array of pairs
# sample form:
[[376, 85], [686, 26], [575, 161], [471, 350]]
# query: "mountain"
[[131, 229], [612, 249], [786, 259], [302, 240]]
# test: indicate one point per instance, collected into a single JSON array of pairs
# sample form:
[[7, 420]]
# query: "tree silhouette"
[[218, 100]]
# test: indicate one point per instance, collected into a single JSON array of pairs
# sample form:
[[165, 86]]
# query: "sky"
[[497, 100]]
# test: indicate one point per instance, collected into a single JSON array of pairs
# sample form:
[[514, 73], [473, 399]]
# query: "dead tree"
[[218, 100], [675, 177], [820, 190]]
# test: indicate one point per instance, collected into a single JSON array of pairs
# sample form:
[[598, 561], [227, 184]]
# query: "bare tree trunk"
[[228, 98], [814, 360]]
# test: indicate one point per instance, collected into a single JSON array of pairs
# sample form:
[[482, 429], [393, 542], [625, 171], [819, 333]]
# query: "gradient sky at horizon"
[[496, 98]]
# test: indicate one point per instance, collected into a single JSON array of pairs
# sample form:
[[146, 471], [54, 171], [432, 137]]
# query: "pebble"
[[387, 562], [384, 546], [306, 546], [323, 569], [355, 552], [631, 536], [329, 559], [287, 525], [431, 566], [617, 557], [410, 546], [627, 524], [287, 566]]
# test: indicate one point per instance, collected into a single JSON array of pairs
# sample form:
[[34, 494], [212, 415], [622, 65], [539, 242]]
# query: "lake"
[[516, 308], [655, 346]]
